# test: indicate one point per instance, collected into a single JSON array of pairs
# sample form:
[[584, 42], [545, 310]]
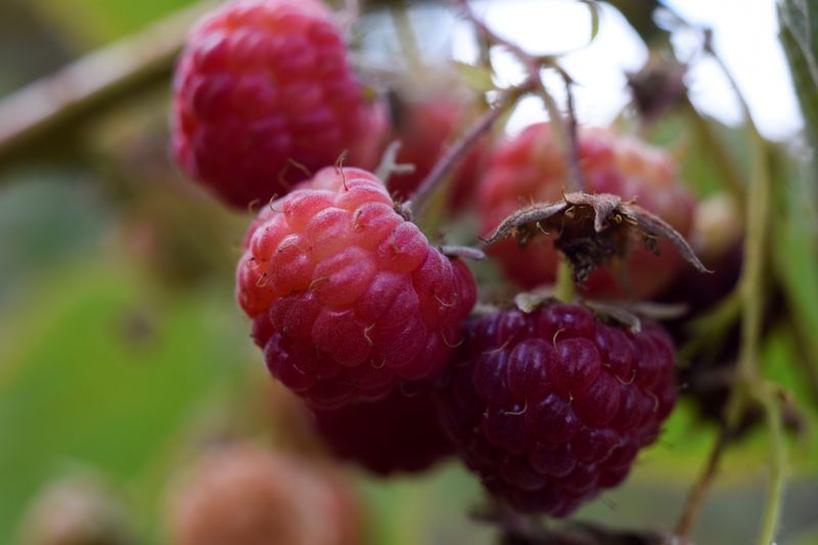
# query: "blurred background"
[[123, 354]]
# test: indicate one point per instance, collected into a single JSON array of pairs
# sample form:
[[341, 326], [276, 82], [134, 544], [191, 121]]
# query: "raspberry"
[[425, 129], [400, 433], [551, 407], [263, 91], [530, 168], [348, 298], [243, 495]]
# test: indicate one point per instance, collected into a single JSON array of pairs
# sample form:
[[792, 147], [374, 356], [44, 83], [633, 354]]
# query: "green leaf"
[[799, 38], [99, 371], [90, 23], [593, 7], [477, 78]]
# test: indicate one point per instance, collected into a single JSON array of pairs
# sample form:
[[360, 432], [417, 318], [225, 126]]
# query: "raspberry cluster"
[[348, 298], [263, 95], [531, 168], [551, 407], [362, 317]]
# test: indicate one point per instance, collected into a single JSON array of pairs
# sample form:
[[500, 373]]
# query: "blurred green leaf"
[[799, 37], [46, 217], [681, 134], [99, 370], [478, 78], [89, 23]]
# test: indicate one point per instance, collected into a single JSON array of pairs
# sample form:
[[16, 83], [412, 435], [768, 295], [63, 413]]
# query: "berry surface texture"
[[349, 298]]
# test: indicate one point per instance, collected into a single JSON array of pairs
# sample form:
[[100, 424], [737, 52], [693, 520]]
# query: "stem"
[[567, 135], [563, 134], [752, 287], [749, 381], [752, 277], [565, 288], [457, 151], [695, 500], [82, 88], [778, 461], [573, 136]]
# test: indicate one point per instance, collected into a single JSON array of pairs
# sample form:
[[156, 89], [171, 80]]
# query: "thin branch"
[[495, 39], [95, 81], [697, 495], [459, 150], [749, 382], [778, 471], [565, 289], [533, 65], [730, 175], [573, 136]]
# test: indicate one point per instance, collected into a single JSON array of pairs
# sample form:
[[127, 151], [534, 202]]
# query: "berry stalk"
[[534, 65], [749, 383], [78, 91], [458, 151], [565, 289]]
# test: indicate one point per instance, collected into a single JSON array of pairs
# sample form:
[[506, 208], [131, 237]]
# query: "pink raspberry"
[[531, 168], [400, 433], [264, 91], [243, 495], [348, 297], [552, 407]]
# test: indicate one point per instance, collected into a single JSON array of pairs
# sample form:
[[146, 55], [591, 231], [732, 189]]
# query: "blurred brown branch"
[[53, 105]]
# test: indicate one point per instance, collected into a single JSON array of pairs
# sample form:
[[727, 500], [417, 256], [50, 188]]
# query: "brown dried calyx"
[[592, 229]]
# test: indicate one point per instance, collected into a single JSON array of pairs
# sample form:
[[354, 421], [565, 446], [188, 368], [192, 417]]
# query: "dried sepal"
[[592, 229]]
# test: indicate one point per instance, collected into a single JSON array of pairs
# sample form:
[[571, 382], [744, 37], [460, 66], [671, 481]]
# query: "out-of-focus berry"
[[243, 495], [531, 168], [400, 433], [76, 511]]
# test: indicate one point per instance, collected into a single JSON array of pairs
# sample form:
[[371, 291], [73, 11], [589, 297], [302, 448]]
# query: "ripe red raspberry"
[[400, 433], [348, 298], [530, 168], [262, 91], [425, 129], [551, 407], [243, 495]]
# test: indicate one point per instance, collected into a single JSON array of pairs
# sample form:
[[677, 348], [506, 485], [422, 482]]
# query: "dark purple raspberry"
[[551, 407], [400, 433]]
